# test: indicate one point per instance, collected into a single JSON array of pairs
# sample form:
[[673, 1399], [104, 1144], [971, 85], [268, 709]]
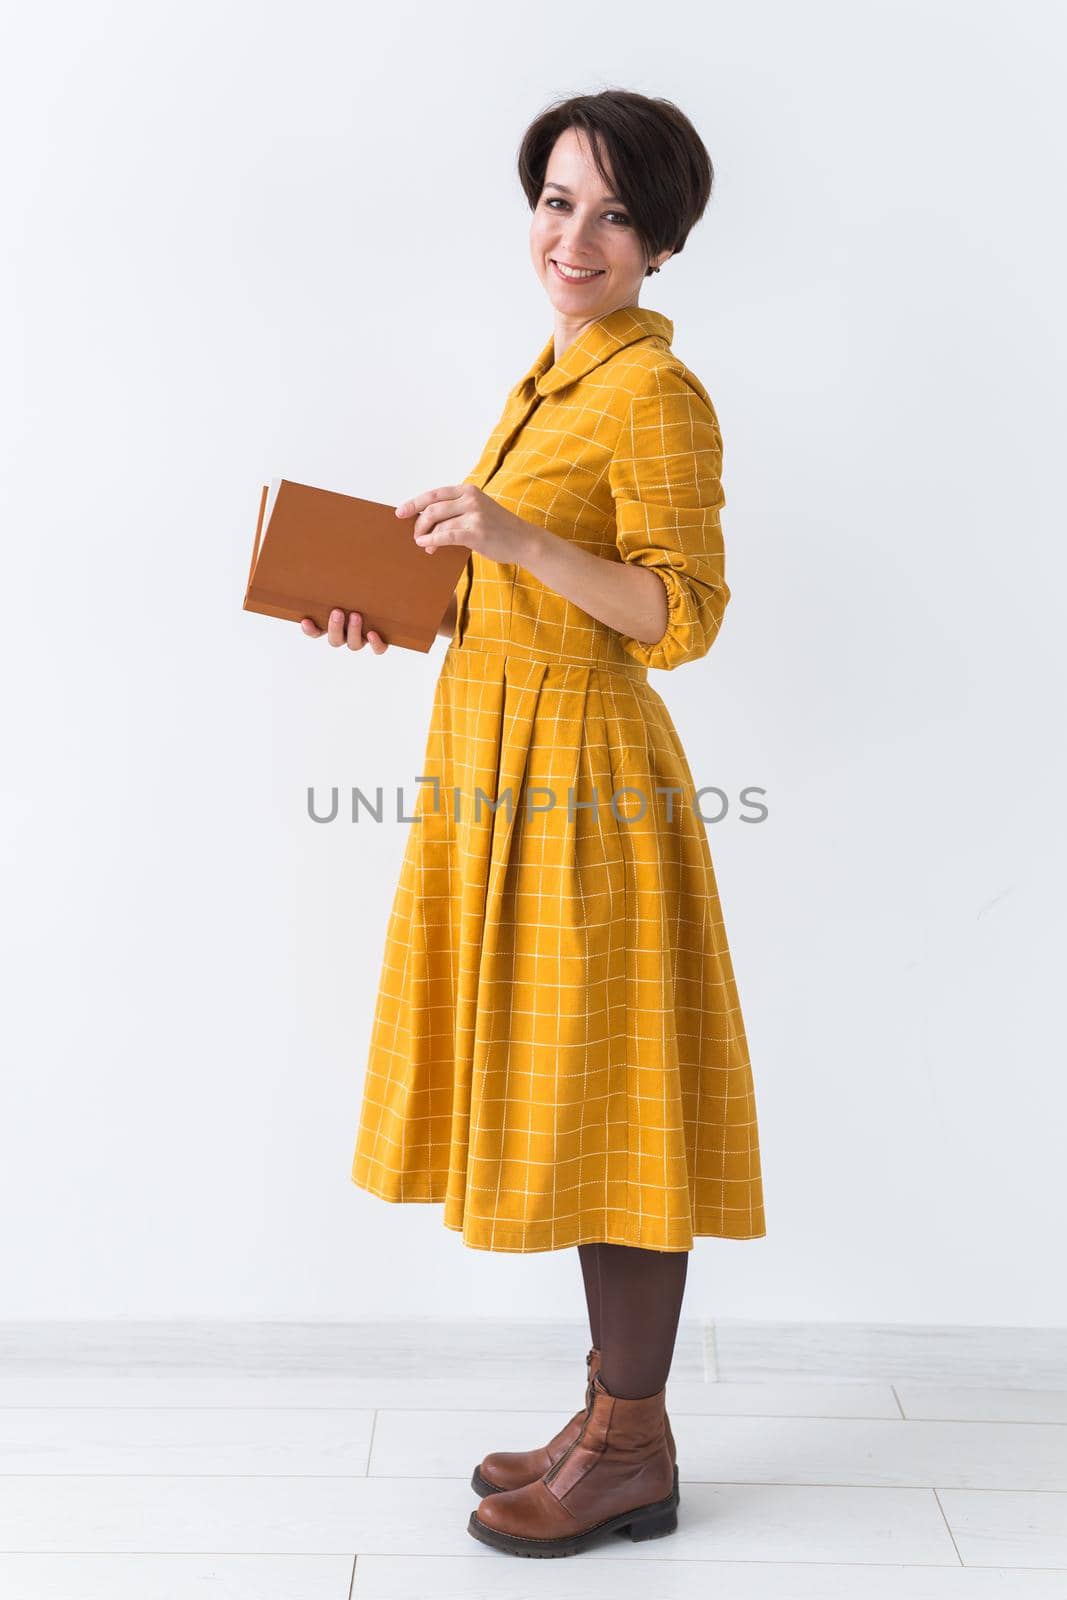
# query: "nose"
[[576, 239]]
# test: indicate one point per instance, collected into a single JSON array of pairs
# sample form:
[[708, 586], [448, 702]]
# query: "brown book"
[[315, 549]]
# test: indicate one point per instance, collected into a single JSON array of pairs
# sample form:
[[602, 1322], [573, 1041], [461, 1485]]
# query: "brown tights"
[[634, 1298]]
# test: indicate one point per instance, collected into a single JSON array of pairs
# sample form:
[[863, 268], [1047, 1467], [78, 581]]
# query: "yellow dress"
[[558, 1052]]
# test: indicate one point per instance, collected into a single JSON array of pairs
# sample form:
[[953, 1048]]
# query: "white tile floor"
[[283, 1462]]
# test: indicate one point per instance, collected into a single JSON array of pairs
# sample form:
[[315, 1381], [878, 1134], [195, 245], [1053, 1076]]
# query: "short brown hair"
[[663, 173]]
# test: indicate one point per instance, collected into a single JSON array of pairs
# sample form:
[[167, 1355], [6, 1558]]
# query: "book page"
[[275, 484]]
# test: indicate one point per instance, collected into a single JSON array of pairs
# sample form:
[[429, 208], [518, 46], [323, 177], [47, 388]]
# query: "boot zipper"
[[551, 1473]]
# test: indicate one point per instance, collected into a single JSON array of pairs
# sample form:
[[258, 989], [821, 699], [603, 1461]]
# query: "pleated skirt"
[[557, 1052]]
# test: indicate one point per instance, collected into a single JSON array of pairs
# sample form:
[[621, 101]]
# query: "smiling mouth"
[[576, 274]]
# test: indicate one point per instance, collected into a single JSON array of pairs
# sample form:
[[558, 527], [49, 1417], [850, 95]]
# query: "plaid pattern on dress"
[[558, 1052]]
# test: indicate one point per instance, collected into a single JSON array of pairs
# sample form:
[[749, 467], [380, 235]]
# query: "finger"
[[431, 517], [446, 531], [336, 626], [311, 628], [355, 631], [409, 508], [425, 523], [377, 643]]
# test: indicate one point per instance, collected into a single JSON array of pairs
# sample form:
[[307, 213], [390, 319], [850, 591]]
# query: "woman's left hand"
[[461, 514]]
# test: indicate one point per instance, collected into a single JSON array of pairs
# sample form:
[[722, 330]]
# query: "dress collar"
[[596, 342]]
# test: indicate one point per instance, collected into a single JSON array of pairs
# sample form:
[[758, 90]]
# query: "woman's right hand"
[[338, 634]]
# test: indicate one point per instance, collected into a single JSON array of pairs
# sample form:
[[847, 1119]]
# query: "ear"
[[657, 261]]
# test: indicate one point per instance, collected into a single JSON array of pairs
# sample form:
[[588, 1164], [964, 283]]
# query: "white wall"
[[250, 241]]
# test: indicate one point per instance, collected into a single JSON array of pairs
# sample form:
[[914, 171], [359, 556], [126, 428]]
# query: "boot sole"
[[483, 1487], [645, 1522]]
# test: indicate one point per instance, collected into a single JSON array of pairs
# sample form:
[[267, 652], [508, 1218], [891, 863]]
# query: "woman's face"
[[576, 222]]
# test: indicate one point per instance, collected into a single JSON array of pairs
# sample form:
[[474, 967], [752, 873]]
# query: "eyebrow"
[[563, 190]]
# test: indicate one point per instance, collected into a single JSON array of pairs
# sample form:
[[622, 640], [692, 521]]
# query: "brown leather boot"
[[618, 1473], [512, 1469]]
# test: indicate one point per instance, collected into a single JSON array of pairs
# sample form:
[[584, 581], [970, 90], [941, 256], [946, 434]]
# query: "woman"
[[558, 1052]]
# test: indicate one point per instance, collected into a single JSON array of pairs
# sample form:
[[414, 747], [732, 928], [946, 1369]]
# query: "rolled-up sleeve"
[[666, 481]]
